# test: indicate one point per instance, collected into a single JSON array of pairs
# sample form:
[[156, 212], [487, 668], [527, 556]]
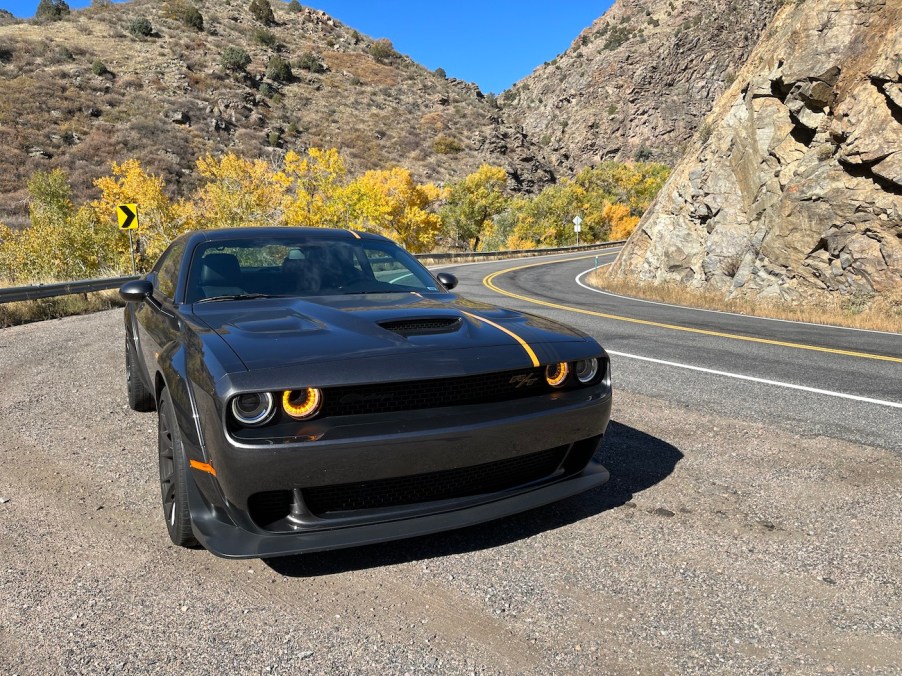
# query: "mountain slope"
[[637, 82], [167, 99], [795, 190]]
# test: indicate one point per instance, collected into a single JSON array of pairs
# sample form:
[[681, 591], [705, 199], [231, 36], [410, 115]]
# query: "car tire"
[[173, 475], [139, 398]]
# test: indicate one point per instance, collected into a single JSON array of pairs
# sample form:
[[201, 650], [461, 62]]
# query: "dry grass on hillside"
[[879, 313]]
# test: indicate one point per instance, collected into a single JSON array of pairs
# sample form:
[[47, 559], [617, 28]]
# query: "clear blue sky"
[[491, 42]]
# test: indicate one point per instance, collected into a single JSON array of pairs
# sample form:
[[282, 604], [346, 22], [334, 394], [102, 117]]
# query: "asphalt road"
[[847, 366], [746, 528]]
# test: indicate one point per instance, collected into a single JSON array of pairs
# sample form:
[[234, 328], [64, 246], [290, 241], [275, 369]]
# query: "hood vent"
[[422, 326]]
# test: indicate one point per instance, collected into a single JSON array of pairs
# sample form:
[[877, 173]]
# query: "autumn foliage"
[[66, 241]]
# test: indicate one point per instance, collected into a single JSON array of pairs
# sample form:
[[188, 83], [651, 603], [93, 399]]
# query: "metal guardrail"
[[19, 293]]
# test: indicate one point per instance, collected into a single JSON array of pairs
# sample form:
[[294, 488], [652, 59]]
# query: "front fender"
[[173, 369]]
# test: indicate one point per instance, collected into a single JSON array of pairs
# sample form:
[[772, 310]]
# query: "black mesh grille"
[[424, 326], [418, 394], [443, 485], [269, 506]]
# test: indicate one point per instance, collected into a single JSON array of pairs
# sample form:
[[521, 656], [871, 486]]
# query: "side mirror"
[[136, 290], [448, 280]]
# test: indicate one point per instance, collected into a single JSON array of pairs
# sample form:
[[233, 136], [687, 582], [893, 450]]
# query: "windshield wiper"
[[240, 296]]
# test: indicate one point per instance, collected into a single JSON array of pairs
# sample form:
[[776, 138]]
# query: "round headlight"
[[586, 370], [302, 404], [253, 409], [556, 374]]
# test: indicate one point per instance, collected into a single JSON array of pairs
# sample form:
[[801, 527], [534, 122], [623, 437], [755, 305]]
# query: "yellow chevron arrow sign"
[[127, 215]]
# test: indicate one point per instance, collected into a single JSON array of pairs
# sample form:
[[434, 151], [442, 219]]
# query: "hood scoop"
[[422, 326]]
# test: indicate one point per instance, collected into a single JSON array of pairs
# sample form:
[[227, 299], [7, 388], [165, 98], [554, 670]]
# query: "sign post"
[[127, 216], [577, 227]]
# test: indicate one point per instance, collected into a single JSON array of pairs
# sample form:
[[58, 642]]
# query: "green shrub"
[[184, 11], [295, 6], [99, 68], [274, 138], [140, 27], [265, 89], [279, 70], [51, 10], [446, 145], [617, 36], [308, 61], [264, 37], [234, 59], [383, 51], [261, 10], [441, 73]]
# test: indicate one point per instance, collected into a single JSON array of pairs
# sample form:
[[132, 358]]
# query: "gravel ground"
[[720, 546]]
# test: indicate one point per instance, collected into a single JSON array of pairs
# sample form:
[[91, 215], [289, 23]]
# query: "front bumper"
[[412, 444], [221, 536]]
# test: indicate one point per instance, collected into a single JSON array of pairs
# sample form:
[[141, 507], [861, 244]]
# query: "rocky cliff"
[[637, 83], [793, 186]]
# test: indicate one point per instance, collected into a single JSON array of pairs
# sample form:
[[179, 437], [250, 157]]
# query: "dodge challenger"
[[319, 389]]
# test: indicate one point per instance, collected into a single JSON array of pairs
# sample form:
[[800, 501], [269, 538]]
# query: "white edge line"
[[721, 312], [763, 381]]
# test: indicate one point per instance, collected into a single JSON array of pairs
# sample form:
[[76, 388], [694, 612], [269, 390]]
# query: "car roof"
[[198, 236]]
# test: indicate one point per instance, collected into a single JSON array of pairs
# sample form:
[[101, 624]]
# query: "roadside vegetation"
[[877, 312], [71, 240]]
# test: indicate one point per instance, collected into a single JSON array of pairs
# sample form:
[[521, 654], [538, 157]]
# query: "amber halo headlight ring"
[[586, 370], [302, 404], [556, 374], [253, 409]]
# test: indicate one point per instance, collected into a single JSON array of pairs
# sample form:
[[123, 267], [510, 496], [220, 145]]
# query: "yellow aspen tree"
[[622, 222], [391, 203], [317, 193], [237, 192]]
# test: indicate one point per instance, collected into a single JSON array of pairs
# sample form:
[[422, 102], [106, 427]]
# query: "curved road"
[[810, 379]]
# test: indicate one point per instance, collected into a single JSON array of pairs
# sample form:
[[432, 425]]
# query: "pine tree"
[[52, 10], [261, 10]]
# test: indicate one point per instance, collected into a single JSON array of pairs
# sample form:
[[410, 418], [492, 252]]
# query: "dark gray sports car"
[[320, 389]]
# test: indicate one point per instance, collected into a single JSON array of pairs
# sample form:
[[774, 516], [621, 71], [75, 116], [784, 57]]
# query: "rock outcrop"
[[793, 187], [637, 83]]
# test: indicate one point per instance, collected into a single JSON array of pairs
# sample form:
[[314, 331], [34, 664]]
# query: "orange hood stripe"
[[523, 343]]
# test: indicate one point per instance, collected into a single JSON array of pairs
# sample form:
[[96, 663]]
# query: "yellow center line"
[[523, 343], [489, 281]]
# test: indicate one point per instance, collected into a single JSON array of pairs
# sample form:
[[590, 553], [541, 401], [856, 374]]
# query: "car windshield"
[[302, 266]]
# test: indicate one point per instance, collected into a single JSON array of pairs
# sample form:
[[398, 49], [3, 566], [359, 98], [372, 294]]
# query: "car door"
[[156, 319]]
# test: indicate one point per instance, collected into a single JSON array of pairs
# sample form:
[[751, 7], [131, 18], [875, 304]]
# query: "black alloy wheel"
[[173, 476]]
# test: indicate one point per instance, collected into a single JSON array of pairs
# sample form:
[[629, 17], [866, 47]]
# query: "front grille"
[[444, 485], [419, 394], [422, 326]]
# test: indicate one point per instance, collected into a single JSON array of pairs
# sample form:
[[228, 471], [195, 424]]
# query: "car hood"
[[283, 332]]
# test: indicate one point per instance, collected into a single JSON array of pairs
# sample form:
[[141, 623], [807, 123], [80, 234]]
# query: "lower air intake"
[[444, 485]]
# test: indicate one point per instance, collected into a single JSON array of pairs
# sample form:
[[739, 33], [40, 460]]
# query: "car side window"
[[168, 271], [387, 268]]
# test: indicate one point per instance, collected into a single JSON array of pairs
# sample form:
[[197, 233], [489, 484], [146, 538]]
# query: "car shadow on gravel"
[[636, 461]]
